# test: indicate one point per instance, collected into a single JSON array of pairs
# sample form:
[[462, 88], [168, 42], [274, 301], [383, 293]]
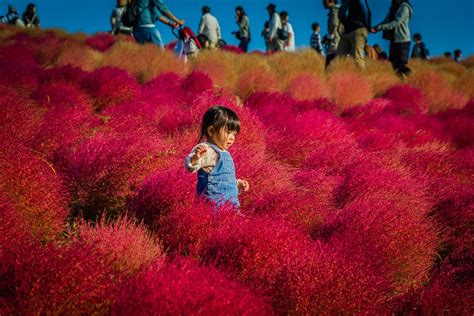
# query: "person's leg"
[[360, 38], [244, 44], [402, 51], [155, 37], [278, 45], [329, 58], [344, 47]]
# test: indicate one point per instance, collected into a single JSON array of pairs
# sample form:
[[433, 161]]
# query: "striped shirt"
[[315, 42]]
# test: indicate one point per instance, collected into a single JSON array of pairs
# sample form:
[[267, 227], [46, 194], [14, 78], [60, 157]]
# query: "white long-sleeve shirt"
[[207, 162], [209, 26], [290, 42], [275, 24]]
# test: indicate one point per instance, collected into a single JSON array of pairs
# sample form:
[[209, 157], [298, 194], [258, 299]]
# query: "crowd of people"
[[29, 18], [349, 24]]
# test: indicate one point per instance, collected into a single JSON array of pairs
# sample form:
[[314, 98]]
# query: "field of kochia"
[[361, 199]]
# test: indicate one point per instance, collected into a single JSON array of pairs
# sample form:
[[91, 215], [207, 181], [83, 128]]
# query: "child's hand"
[[200, 151], [243, 185]]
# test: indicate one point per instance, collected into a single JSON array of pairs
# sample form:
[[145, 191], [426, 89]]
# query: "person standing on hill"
[[331, 40], [276, 44], [396, 30], [266, 35], [116, 19], [243, 34], [11, 17], [151, 11], [457, 55], [30, 17], [289, 45], [356, 17], [419, 49], [209, 26], [315, 39]]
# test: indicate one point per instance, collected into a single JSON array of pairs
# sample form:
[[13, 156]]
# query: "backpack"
[[282, 33], [131, 13]]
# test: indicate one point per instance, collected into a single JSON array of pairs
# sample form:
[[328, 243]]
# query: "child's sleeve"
[[207, 161]]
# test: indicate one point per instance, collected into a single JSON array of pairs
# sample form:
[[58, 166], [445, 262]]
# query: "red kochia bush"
[[310, 133], [184, 288], [68, 73], [101, 41], [458, 124], [103, 170], [385, 215], [35, 191], [271, 256], [64, 280], [21, 77], [20, 118], [128, 245], [15, 242], [68, 118], [407, 99], [110, 86]]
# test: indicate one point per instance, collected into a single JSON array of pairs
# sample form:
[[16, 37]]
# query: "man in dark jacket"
[[355, 16]]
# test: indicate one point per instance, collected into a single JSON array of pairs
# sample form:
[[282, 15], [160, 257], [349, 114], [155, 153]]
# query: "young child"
[[188, 45], [315, 39], [212, 161], [419, 49]]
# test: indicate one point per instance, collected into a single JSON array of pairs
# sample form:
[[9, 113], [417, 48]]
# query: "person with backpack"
[[11, 17], [276, 36], [145, 14], [289, 45], [419, 49], [356, 17], [30, 17], [243, 34], [331, 40], [116, 24], [397, 31], [210, 27]]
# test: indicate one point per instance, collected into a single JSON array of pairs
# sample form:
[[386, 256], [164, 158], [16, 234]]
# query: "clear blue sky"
[[445, 25]]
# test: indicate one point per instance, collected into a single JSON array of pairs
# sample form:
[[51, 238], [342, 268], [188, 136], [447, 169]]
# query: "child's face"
[[223, 138]]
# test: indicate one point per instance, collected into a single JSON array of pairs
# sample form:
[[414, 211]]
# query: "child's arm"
[[201, 157]]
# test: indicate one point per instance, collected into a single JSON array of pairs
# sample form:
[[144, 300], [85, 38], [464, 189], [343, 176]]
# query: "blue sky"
[[445, 25]]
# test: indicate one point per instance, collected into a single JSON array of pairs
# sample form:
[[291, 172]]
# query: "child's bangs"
[[233, 124]]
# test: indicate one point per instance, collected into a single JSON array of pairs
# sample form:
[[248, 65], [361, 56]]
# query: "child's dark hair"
[[283, 15], [219, 117], [417, 37], [314, 26]]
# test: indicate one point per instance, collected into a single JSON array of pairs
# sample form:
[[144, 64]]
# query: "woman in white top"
[[290, 41]]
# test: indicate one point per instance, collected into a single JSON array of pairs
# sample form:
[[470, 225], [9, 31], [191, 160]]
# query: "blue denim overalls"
[[219, 185]]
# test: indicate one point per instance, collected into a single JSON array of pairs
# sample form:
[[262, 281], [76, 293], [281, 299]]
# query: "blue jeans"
[[147, 35]]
